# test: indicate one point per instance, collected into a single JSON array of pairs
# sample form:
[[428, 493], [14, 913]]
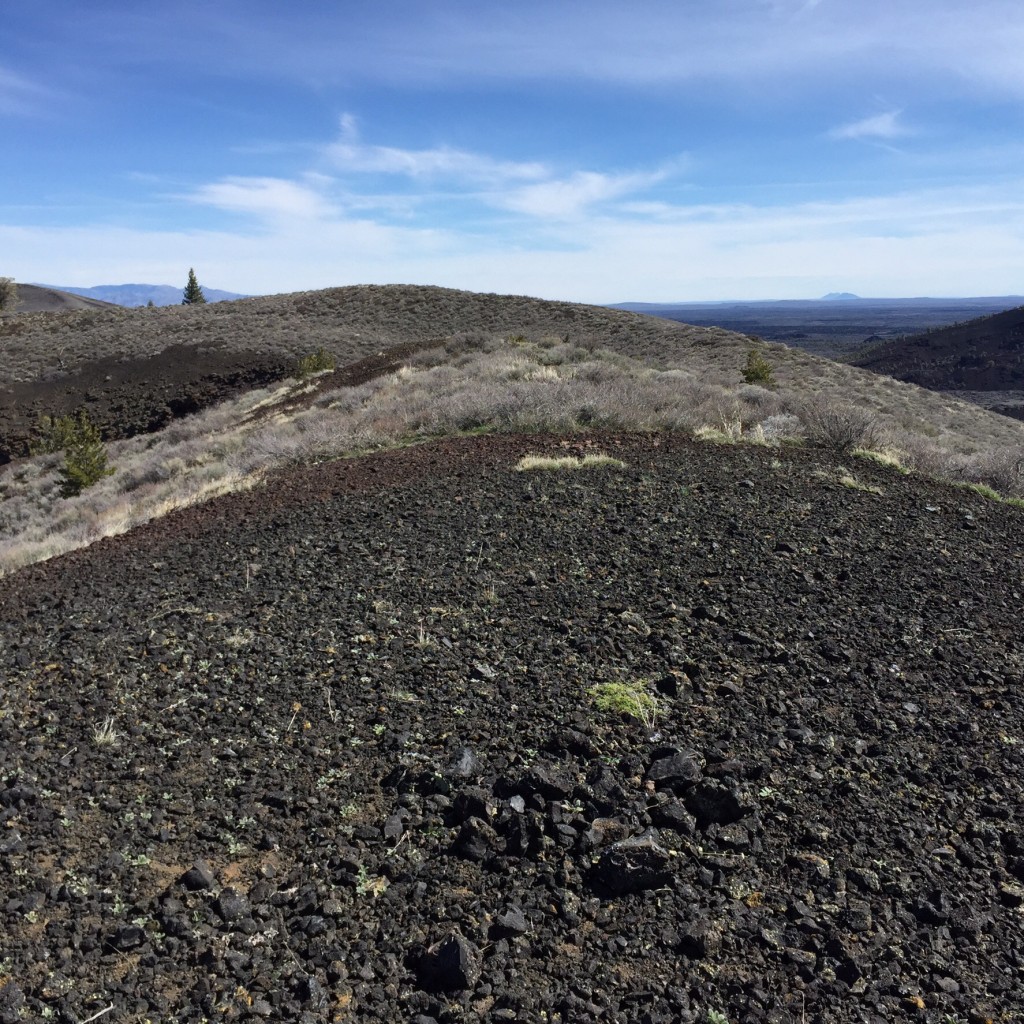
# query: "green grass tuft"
[[626, 699], [883, 457]]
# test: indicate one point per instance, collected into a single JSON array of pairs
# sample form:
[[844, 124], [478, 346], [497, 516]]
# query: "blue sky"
[[593, 150]]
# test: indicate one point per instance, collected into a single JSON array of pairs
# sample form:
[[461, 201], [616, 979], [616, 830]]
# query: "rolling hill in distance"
[[982, 354]]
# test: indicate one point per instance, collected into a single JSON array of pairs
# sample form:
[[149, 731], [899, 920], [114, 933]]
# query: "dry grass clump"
[[890, 458], [595, 460], [849, 480]]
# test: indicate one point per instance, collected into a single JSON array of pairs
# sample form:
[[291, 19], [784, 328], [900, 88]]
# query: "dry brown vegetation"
[[524, 365]]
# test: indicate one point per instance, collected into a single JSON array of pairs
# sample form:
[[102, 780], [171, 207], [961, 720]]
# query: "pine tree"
[[758, 370], [193, 294], [85, 457]]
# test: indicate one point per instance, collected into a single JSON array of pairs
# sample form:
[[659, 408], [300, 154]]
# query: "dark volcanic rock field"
[[330, 750]]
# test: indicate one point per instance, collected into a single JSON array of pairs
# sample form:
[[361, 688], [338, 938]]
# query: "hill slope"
[[334, 750], [835, 328]]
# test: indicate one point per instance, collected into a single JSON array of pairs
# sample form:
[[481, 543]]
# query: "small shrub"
[[1003, 470], [782, 427], [316, 362], [8, 294], [758, 370]]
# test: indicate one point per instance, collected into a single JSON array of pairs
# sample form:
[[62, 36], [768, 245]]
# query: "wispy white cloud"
[[273, 198], [532, 188], [726, 41], [887, 125], [350, 154], [569, 197]]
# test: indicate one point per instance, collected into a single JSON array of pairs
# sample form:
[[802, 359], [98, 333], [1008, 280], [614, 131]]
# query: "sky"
[[588, 150]]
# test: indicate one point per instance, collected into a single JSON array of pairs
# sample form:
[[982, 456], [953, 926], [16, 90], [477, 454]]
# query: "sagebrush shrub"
[[839, 427], [8, 294]]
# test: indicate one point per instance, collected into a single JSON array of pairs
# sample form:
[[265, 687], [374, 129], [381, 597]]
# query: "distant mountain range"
[[143, 294]]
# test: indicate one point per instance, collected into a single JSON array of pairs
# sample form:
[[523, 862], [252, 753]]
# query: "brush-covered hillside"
[[496, 660]]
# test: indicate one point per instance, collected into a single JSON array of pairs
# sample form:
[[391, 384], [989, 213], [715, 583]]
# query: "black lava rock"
[[633, 865], [452, 965]]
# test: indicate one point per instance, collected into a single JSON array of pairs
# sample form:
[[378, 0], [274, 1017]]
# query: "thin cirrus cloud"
[[732, 40]]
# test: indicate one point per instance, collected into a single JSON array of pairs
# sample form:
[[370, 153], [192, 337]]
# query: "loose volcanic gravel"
[[340, 749]]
